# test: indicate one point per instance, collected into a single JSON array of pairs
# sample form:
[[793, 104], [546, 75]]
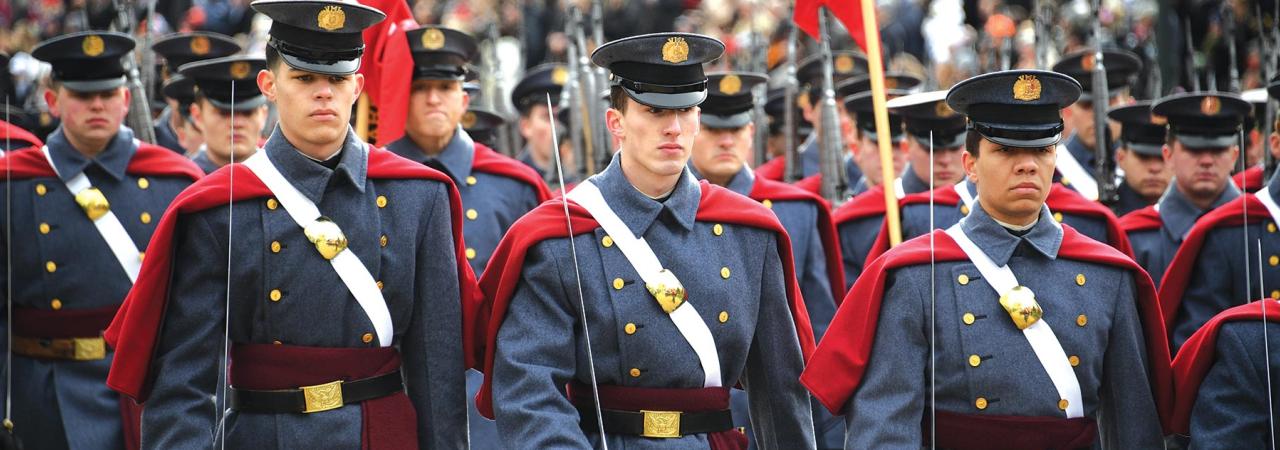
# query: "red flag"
[[387, 66], [848, 12]]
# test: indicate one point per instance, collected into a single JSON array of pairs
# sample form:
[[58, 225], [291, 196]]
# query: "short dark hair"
[[972, 140], [618, 98], [273, 57]]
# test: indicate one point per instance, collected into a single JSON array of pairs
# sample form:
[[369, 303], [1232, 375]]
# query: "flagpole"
[[876, 66]]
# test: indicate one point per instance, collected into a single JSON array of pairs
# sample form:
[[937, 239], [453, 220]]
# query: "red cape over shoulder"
[[1141, 220], [837, 367], [149, 160], [1249, 180], [764, 189], [1198, 353], [16, 134], [547, 221], [488, 161], [136, 327], [1232, 214], [772, 169]]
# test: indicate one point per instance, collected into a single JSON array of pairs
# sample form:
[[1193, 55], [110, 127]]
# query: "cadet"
[[530, 98], [718, 264], [1085, 347], [496, 190], [229, 108], [1250, 179], [321, 354], [844, 65], [776, 108], [1202, 150], [1139, 157], [84, 208], [1076, 165], [1221, 252], [173, 125]]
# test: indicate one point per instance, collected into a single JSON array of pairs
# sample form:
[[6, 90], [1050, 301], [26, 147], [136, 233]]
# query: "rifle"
[[792, 171], [1108, 192], [1268, 72], [830, 142], [760, 92], [571, 99], [139, 118]]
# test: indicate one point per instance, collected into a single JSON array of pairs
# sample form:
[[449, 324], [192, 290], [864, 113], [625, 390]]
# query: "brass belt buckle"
[[89, 349], [322, 397], [661, 424]]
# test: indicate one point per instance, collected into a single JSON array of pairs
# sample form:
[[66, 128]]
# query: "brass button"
[[1081, 320], [55, 304], [50, 267], [471, 181], [143, 183], [964, 210], [471, 253], [968, 318], [767, 203], [142, 256], [367, 338], [276, 343], [1079, 279], [382, 241], [724, 316], [1275, 295], [41, 190], [618, 283], [1074, 360], [717, 229], [1062, 404], [145, 217], [980, 403], [471, 214], [275, 295], [975, 360], [44, 228], [630, 328], [275, 246], [382, 201], [1057, 217], [379, 285], [272, 204], [606, 241], [1273, 260], [724, 273], [963, 279], [1271, 227], [635, 373], [1065, 181]]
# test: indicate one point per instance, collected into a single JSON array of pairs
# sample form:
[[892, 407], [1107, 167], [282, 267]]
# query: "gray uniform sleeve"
[[180, 412], [780, 411], [536, 356], [1231, 407], [816, 286], [433, 360], [885, 411], [1214, 285], [1127, 409]]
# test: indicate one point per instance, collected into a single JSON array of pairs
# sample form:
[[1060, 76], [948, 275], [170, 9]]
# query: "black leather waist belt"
[[321, 397], [657, 424]]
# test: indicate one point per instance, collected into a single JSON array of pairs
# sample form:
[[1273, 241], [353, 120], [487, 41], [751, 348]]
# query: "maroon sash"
[[983, 432], [661, 399]]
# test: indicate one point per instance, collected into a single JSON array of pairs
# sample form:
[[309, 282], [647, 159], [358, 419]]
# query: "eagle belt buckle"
[[88, 349], [322, 397], [661, 424]]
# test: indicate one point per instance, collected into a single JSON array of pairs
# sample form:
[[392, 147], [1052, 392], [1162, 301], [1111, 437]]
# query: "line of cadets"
[[1195, 237]]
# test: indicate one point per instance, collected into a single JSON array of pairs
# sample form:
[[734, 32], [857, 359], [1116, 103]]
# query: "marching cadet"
[[1222, 252], [496, 190], [1250, 179], [1071, 356], [1140, 158], [181, 91], [718, 264], [229, 108], [866, 154], [776, 109], [320, 354], [530, 99], [844, 65], [84, 207], [1201, 158], [179, 49], [482, 125], [1076, 164]]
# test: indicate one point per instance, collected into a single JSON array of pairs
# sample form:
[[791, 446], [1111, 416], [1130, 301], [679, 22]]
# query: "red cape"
[[14, 133], [387, 66], [149, 160], [836, 369], [1175, 279], [1197, 356], [776, 190], [1061, 199], [866, 204], [547, 222], [811, 183], [136, 327], [488, 161], [1249, 180], [773, 168], [1141, 220]]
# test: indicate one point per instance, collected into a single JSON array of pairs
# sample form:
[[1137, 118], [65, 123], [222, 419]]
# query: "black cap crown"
[[1120, 65], [88, 61], [729, 99], [844, 65], [1140, 130], [926, 116], [182, 48], [537, 84], [182, 90], [320, 36], [1274, 88], [661, 70], [440, 53], [1204, 119], [1017, 108], [228, 83]]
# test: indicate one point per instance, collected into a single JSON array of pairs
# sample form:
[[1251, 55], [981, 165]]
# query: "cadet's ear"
[[615, 120], [969, 162], [267, 84], [1275, 145]]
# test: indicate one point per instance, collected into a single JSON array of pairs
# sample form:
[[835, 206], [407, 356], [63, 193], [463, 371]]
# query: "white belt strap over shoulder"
[[108, 225], [1045, 344], [898, 191], [962, 189], [646, 263], [352, 272], [1076, 174], [1264, 196]]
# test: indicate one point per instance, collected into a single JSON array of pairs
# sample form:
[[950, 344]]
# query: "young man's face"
[[658, 141], [222, 137], [89, 116], [1013, 182], [435, 107], [946, 162], [1147, 174], [1081, 119], [312, 107], [535, 127], [720, 153], [1201, 172], [867, 157]]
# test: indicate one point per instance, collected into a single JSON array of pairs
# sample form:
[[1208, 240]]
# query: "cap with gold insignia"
[[1203, 119], [897, 84], [926, 116], [859, 102], [661, 70], [775, 108], [229, 83], [1121, 66], [88, 61], [319, 36], [536, 84], [181, 48], [845, 64], [729, 100], [1140, 131], [481, 124], [440, 53], [1016, 108]]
